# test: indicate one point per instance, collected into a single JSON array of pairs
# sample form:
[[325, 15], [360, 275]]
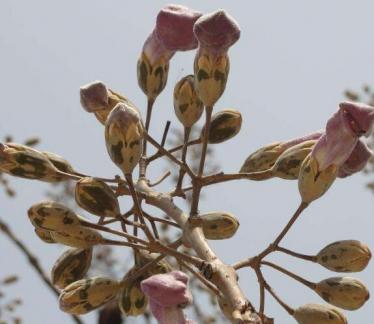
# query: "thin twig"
[[311, 258], [34, 262]]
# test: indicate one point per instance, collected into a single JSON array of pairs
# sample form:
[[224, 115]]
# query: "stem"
[[287, 308], [222, 177], [208, 117], [34, 262], [311, 258], [138, 209], [147, 123], [292, 275], [165, 134], [187, 131]]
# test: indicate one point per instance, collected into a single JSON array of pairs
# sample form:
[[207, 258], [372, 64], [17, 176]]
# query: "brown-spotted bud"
[[219, 225], [313, 182], [78, 236], [96, 197], [71, 266], [85, 295], [265, 157], [143, 257], [224, 125], [59, 162], [25, 162], [187, 105], [124, 132], [98, 99], [287, 166], [344, 292], [132, 301], [52, 216], [344, 256], [44, 235], [319, 314]]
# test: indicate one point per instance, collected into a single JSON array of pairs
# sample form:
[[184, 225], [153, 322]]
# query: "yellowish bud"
[[219, 225], [319, 314]]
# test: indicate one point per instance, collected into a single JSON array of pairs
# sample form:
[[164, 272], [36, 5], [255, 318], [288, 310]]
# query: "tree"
[[126, 138]]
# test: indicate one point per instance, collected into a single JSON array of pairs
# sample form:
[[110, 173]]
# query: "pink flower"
[[343, 130], [94, 96], [360, 155], [167, 294], [312, 136], [173, 32], [216, 32]]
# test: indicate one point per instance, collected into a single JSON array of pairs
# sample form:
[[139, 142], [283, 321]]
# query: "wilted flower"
[[358, 159], [167, 293], [173, 32], [124, 133], [344, 256], [319, 314], [216, 32], [265, 157], [85, 295]]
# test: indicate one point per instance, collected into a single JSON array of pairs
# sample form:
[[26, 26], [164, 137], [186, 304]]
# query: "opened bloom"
[[343, 131], [167, 294]]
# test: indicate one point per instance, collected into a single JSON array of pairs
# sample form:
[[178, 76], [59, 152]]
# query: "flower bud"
[[124, 132], [187, 105], [287, 166], [96, 197], [71, 266], [216, 32], [26, 162], [313, 182], [319, 314], [173, 32], [219, 225], [344, 256], [344, 292], [78, 236], [98, 99], [52, 216], [224, 125], [44, 235], [59, 162], [85, 295], [358, 159], [143, 257], [265, 157], [132, 301]]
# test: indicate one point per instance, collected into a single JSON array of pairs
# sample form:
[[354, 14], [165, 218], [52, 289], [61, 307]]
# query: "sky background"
[[288, 73]]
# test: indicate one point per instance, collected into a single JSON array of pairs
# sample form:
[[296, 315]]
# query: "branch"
[[34, 262]]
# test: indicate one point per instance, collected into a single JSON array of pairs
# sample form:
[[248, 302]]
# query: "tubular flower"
[[173, 32], [167, 293], [360, 155], [216, 32]]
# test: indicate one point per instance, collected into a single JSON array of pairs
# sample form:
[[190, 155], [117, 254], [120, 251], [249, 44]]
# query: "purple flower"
[[343, 130], [173, 32], [94, 96], [167, 294], [356, 161], [216, 32]]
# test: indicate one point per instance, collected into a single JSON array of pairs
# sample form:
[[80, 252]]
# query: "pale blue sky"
[[288, 72]]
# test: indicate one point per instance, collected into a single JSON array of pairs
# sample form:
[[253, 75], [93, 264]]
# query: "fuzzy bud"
[[59, 162], [124, 132], [224, 125], [187, 105], [25, 162], [344, 256], [344, 292], [85, 295], [44, 235], [71, 266], [319, 314], [78, 236], [219, 225], [313, 182], [96, 197]]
